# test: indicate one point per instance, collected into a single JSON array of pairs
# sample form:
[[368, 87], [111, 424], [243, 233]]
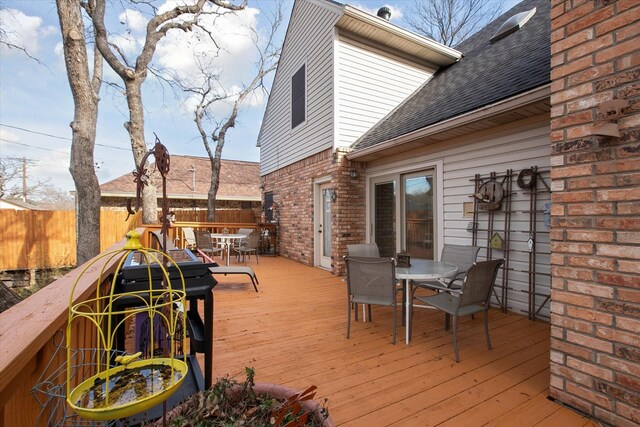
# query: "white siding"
[[309, 41], [370, 84], [515, 149]]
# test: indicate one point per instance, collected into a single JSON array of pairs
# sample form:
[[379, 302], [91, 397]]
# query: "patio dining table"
[[227, 239], [421, 269]]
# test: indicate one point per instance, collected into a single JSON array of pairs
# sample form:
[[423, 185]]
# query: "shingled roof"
[[487, 73], [238, 180]]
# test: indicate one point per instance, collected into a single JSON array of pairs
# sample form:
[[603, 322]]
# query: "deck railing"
[[32, 330], [29, 332]]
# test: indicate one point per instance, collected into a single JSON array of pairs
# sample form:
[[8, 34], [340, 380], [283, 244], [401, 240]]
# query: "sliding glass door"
[[418, 214], [384, 214], [404, 219]]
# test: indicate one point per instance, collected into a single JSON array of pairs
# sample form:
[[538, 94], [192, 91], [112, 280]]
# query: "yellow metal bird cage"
[[116, 385]]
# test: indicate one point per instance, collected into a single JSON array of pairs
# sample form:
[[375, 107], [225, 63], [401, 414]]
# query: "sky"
[[36, 106]]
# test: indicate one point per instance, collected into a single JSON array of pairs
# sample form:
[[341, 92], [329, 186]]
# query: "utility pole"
[[24, 179]]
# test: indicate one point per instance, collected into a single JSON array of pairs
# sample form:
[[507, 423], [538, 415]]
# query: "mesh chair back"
[[253, 240], [371, 280], [203, 239], [462, 256], [477, 285], [159, 239], [189, 236], [364, 250]]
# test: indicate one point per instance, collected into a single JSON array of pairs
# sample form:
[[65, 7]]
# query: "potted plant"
[[229, 403]]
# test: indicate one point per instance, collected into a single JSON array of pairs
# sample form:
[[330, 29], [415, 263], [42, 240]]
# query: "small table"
[[421, 269], [227, 239]]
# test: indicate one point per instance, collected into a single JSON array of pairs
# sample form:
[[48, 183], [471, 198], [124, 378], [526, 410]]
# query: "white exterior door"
[[323, 225]]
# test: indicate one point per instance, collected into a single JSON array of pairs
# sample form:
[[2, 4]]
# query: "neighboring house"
[[188, 185], [345, 162], [19, 204]]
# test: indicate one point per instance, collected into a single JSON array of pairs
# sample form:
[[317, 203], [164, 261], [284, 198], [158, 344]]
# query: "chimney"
[[384, 13]]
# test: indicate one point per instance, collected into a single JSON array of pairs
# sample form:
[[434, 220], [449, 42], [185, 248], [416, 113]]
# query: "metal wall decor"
[[492, 214]]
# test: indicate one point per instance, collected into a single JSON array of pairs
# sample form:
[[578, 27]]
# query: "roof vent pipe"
[[384, 13]]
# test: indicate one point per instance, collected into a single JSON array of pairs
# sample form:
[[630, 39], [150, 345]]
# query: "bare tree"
[[10, 172], [133, 71], [85, 88], [451, 21], [212, 92], [14, 180]]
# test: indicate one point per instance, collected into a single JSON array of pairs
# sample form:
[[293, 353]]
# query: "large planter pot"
[[276, 391]]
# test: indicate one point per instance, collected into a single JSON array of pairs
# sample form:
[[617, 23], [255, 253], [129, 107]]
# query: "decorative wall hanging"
[[496, 242], [490, 195]]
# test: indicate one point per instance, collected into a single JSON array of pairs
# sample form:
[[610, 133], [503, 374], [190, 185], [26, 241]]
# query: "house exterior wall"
[[309, 42], [520, 145], [369, 85], [293, 190], [595, 345]]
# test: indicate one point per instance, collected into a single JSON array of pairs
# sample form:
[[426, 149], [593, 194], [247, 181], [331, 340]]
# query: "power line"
[[33, 146], [33, 131], [58, 137]]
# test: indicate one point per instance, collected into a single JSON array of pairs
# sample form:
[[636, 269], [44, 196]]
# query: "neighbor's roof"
[[487, 73], [238, 180], [14, 202]]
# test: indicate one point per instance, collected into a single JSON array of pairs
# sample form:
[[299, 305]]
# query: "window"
[[298, 104], [268, 206]]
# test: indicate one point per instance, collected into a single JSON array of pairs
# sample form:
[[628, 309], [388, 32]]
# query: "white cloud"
[[227, 48], [59, 49], [49, 30], [128, 44], [7, 135], [20, 30], [134, 20]]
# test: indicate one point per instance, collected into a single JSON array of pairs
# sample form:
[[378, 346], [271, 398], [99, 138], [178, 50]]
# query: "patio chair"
[[364, 249], [462, 256], [371, 281], [371, 250], [205, 245], [158, 240], [239, 242], [189, 238], [250, 246], [473, 296]]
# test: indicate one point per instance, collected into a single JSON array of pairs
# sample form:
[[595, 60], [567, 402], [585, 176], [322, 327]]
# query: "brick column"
[[595, 309]]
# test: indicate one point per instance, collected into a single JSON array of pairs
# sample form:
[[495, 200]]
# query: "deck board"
[[293, 331]]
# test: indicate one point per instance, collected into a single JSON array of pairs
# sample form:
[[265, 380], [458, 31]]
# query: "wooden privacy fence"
[[47, 239]]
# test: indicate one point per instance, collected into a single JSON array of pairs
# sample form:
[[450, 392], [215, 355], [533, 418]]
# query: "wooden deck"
[[293, 332]]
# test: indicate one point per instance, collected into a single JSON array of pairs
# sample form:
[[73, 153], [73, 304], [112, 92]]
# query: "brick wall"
[[595, 320], [292, 188]]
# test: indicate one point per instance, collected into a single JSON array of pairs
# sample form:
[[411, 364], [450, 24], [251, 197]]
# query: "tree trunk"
[[85, 97], [135, 127]]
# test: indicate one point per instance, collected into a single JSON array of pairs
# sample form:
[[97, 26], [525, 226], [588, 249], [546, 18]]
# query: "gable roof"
[[486, 74], [239, 180], [363, 26]]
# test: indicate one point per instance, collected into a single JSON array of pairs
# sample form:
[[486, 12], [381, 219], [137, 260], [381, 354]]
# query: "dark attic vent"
[[512, 25], [384, 13]]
